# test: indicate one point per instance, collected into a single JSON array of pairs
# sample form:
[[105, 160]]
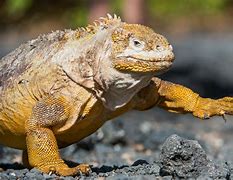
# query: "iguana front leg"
[[179, 99], [41, 142]]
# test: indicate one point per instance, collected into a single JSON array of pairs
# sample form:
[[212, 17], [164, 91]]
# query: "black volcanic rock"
[[182, 158]]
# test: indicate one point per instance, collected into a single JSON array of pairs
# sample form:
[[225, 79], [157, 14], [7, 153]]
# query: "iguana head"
[[138, 48], [135, 48]]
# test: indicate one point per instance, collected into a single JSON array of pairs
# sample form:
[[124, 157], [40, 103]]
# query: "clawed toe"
[[206, 116], [64, 170], [84, 169]]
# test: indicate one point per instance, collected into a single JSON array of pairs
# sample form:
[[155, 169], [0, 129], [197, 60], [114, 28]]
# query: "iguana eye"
[[137, 43]]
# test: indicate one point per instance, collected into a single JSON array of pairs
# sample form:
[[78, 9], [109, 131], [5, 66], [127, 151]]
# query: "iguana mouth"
[[164, 59], [165, 56], [143, 65]]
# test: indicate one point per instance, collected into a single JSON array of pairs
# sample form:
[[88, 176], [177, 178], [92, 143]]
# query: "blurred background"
[[201, 33]]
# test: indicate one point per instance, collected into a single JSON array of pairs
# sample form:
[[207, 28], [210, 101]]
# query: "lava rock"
[[179, 159], [184, 158]]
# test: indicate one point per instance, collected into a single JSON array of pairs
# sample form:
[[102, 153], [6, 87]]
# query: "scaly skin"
[[61, 87]]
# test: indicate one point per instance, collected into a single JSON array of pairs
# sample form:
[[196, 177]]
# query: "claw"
[[84, 169], [80, 172], [206, 116], [223, 116], [52, 170], [88, 170]]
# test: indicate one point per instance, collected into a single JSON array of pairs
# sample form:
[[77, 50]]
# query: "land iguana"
[[61, 87]]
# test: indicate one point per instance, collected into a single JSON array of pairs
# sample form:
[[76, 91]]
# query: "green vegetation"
[[185, 7], [17, 7], [75, 12]]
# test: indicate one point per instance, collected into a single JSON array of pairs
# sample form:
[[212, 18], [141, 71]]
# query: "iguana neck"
[[118, 88], [79, 57], [88, 62]]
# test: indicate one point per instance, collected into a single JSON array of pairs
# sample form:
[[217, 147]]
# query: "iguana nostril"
[[158, 47]]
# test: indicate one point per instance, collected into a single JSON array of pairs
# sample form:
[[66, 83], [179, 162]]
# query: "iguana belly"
[[90, 119]]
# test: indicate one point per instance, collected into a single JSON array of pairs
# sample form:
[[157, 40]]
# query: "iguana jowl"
[[61, 87]]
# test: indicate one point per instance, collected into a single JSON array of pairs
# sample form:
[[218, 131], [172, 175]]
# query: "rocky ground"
[[179, 158], [141, 145]]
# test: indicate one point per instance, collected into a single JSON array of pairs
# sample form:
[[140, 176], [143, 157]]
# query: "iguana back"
[[22, 58]]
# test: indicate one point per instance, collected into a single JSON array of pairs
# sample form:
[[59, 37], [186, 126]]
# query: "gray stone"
[[184, 158]]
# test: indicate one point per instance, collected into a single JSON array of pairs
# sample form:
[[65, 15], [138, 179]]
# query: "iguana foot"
[[64, 170], [206, 107]]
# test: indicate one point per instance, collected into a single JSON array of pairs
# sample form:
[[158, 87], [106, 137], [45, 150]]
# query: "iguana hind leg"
[[43, 154], [41, 142]]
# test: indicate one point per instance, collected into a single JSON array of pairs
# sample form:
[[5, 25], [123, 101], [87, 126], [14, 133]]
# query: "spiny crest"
[[103, 22], [109, 20]]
